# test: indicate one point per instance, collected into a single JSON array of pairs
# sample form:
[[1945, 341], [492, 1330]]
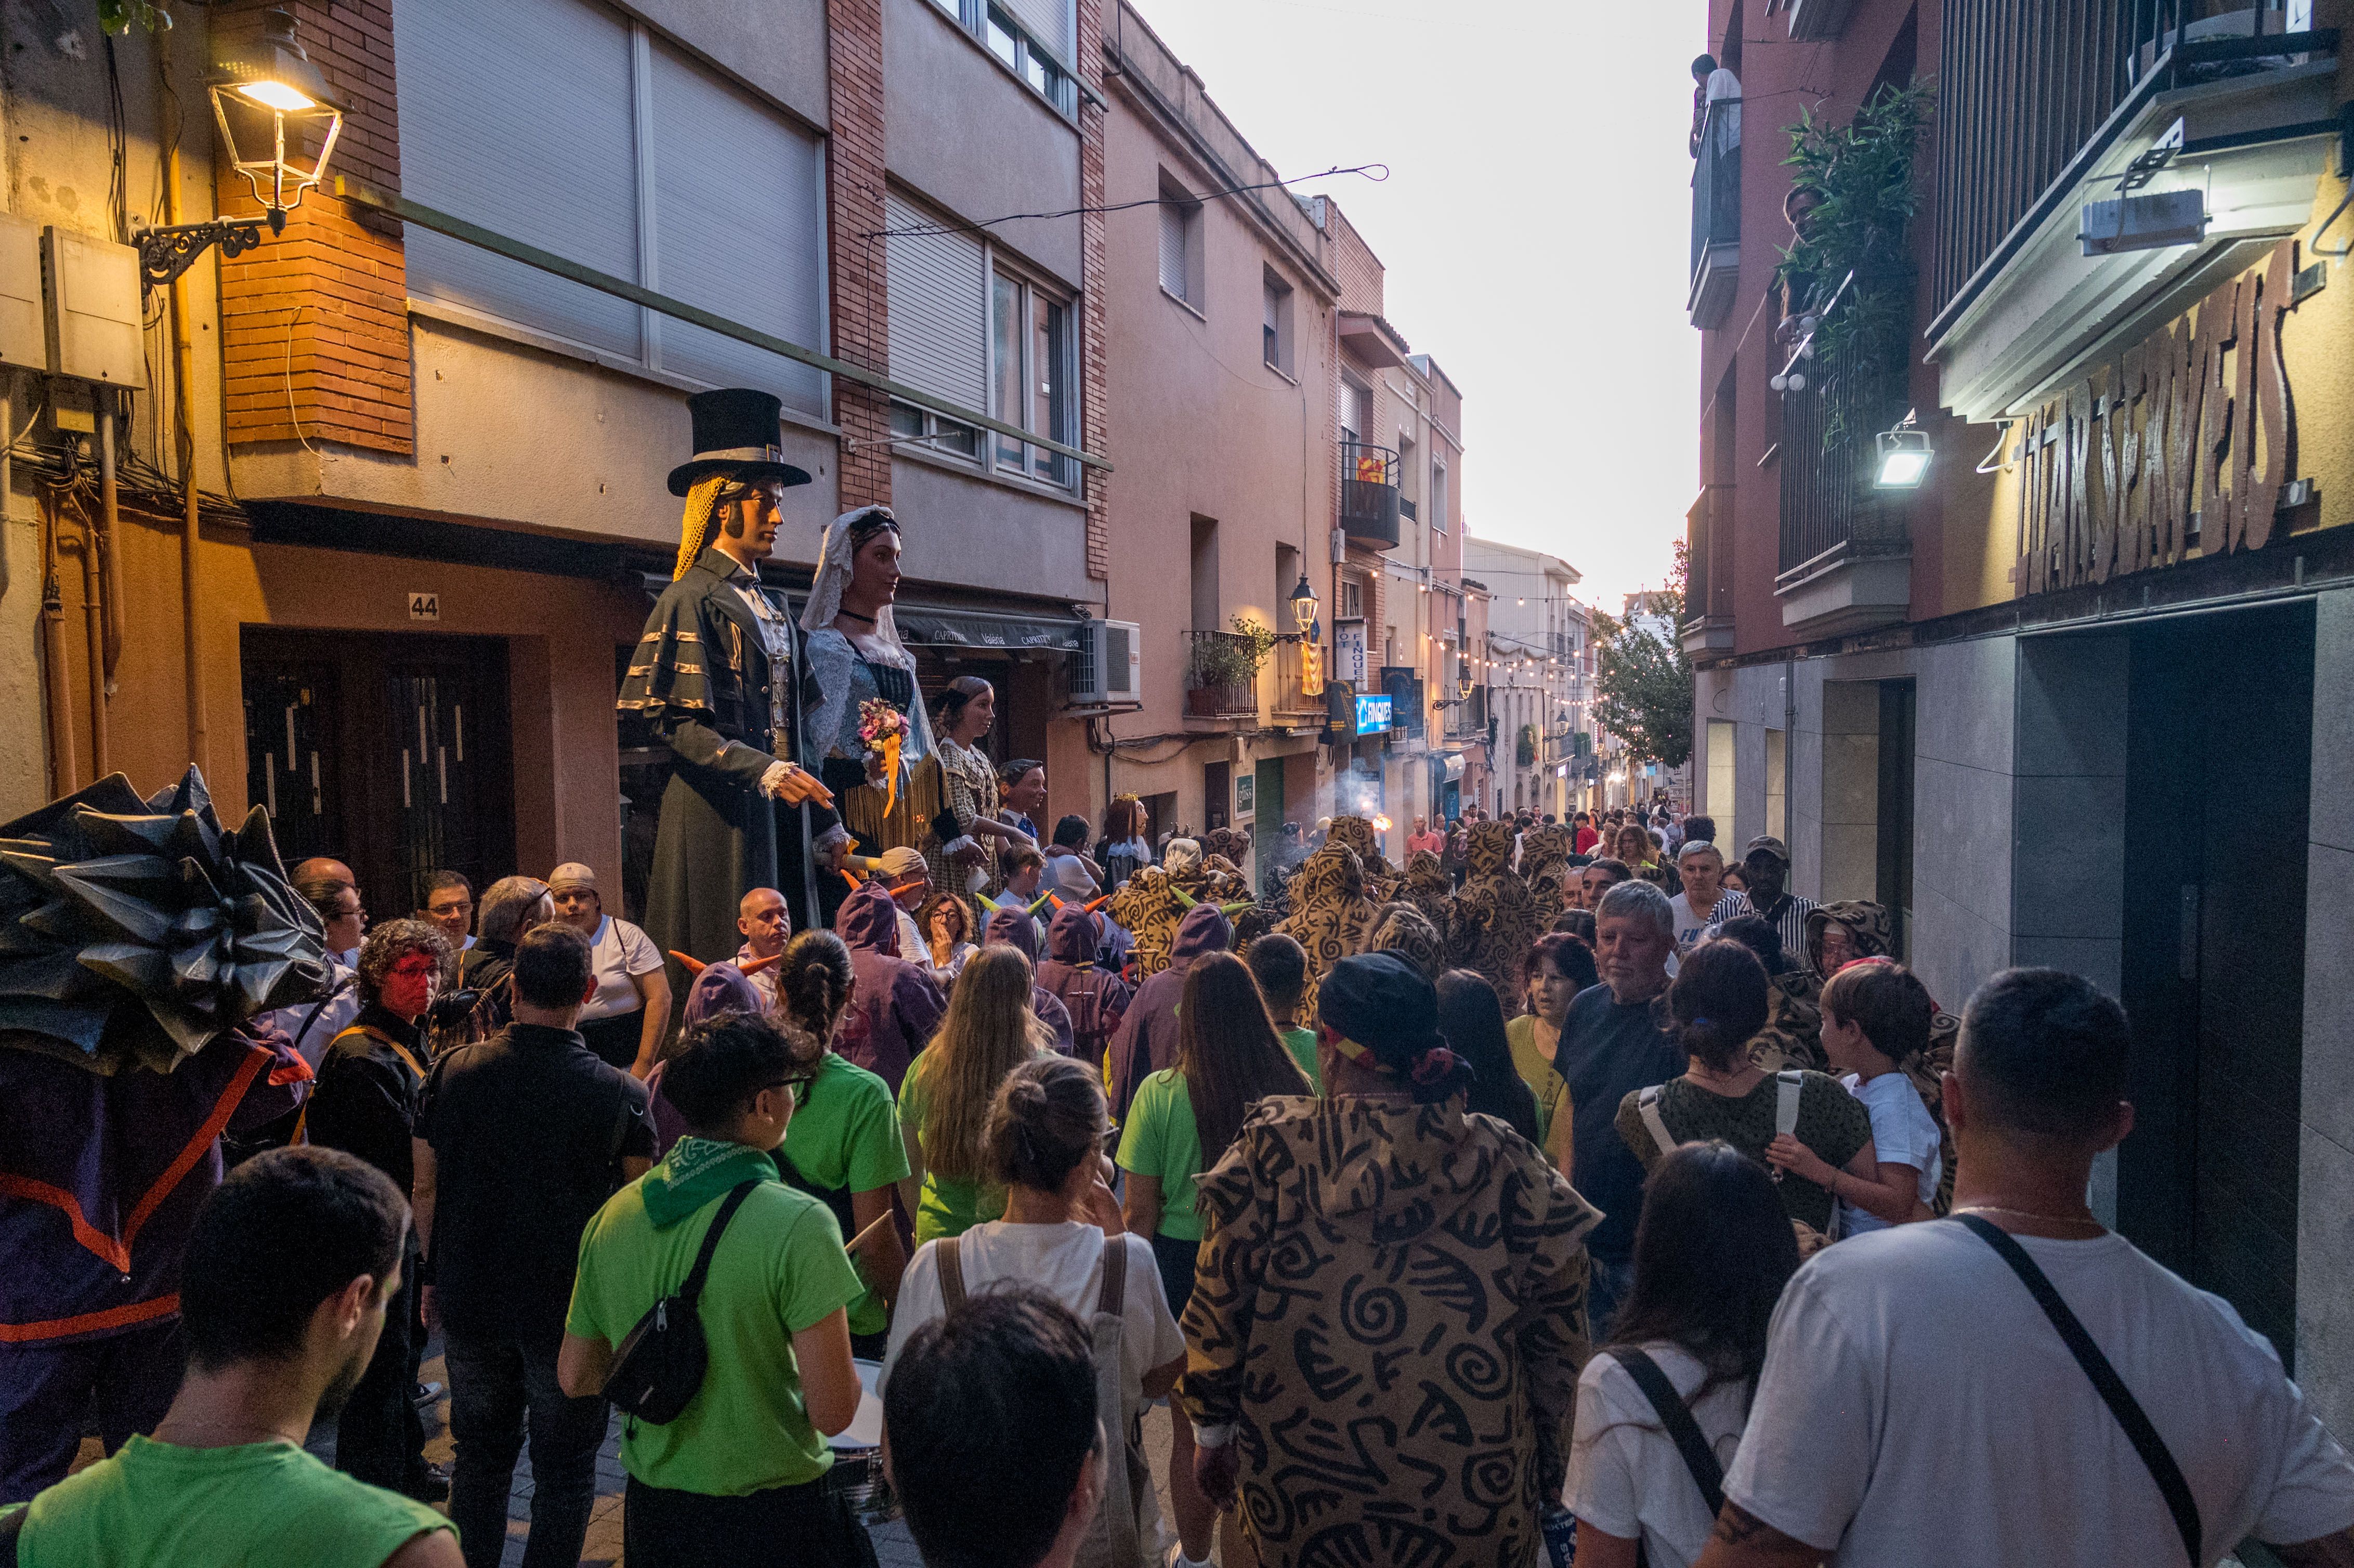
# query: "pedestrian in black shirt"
[[365, 1104], [1613, 1040], [520, 1140]]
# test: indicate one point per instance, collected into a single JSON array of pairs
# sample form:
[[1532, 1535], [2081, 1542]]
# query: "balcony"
[[1846, 550], [1716, 216], [1220, 683], [1408, 706], [1369, 494], [1707, 591], [1293, 705], [1466, 720]]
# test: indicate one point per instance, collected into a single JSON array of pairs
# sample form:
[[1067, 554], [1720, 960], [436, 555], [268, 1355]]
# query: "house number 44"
[[425, 607]]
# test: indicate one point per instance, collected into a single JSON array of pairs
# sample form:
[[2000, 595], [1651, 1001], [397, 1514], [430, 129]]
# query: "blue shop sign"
[[1372, 714]]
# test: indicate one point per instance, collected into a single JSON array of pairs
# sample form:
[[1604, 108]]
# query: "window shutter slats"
[[1172, 249], [939, 292]]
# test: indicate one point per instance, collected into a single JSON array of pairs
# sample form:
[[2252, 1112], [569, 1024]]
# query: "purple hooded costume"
[[1016, 929], [898, 1005], [1147, 1040], [1096, 998]]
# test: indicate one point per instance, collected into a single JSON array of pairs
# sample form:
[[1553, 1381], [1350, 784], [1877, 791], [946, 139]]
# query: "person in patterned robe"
[[1545, 866], [1492, 923], [1403, 929], [1381, 880], [1384, 1343], [1331, 915], [1428, 888]]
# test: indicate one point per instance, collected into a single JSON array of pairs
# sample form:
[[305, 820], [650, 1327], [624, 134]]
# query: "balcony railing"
[[1219, 682], [1291, 699], [2025, 84], [1716, 216], [1369, 494], [1708, 591], [1828, 431]]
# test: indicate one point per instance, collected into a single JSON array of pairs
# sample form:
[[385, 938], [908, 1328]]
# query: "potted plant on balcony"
[[1222, 674]]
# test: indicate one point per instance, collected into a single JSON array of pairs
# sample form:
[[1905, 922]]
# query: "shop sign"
[[1348, 652], [1373, 714], [2178, 450], [1245, 797]]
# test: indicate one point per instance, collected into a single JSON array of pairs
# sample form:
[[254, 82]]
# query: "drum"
[[857, 1472]]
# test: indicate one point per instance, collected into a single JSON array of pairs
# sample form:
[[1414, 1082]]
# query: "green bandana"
[[696, 1172]]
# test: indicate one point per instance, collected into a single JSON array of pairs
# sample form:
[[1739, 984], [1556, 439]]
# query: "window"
[[971, 332], [557, 86], [1030, 36], [1352, 599], [1181, 245], [1275, 335], [1031, 376], [1439, 513], [1354, 403]]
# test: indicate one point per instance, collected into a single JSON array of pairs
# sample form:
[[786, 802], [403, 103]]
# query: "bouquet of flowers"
[[883, 729]]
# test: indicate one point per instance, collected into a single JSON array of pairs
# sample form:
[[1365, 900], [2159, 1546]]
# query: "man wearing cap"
[[626, 1017], [717, 678], [1316, 1204], [1766, 865], [908, 879]]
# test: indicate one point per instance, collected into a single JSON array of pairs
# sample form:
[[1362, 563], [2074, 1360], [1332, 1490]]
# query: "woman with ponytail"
[[1718, 1003], [1380, 1242], [844, 1145], [1042, 1135], [991, 1029]]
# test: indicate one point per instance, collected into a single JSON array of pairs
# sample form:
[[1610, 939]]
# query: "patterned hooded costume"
[[1492, 923], [896, 1005], [1380, 880], [1428, 888], [1873, 932], [1545, 866], [1146, 1041], [1330, 916], [138, 943], [1403, 929], [1147, 908]]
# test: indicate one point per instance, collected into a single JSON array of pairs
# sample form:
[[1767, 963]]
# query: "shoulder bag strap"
[[2111, 1387], [1648, 1102], [321, 1006], [1677, 1417], [692, 1287], [950, 1264], [1115, 1276], [1790, 1088]]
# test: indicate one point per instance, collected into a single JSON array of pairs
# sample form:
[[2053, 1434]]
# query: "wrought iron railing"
[[1220, 680], [1708, 545], [1292, 698], [2024, 84], [1716, 181], [1828, 502], [1369, 492]]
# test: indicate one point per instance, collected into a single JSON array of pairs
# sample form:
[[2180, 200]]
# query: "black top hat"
[[735, 433]]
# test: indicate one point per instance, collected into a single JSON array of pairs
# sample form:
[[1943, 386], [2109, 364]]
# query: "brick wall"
[[315, 323], [861, 295], [1095, 387]]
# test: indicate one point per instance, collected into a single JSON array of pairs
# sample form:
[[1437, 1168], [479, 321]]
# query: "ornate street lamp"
[[1303, 607], [261, 86]]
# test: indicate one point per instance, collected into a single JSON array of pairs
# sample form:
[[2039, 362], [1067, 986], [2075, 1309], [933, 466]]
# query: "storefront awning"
[[934, 626]]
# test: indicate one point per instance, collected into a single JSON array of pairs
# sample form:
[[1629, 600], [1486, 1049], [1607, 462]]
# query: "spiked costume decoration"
[[720, 677], [138, 941]]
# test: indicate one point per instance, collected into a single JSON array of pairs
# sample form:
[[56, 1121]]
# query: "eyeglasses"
[[417, 969]]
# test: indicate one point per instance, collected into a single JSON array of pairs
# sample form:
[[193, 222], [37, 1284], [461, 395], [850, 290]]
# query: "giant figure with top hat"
[[721, 677]]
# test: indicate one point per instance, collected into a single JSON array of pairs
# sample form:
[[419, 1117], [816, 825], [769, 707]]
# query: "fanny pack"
[[659, 1366]]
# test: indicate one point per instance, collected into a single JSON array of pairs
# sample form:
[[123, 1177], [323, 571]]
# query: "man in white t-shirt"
[[1918, 1407], [1704, 902]]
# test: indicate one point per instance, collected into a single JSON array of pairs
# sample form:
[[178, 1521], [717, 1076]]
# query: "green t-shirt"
[[951, 1205], [1302, 1044], [779, 1269], [263, 1503], [1161, 1140], [845, 1134]]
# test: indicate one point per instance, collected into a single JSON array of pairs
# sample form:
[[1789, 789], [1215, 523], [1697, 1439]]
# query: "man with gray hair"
[[512, 908], [1616, 1039]]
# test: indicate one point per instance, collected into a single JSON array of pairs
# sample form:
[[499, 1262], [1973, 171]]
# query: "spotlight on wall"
[[1905, 454]]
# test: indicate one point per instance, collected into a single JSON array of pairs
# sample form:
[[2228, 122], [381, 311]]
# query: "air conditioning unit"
[[1110, 666]]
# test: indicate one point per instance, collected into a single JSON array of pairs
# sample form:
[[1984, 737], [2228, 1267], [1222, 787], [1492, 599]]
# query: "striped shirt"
[[1791, 923]]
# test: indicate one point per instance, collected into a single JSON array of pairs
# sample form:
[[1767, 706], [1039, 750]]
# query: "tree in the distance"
[[1643, 682]]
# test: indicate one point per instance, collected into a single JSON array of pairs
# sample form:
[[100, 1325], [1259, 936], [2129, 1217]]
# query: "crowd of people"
[[1558, 1188]]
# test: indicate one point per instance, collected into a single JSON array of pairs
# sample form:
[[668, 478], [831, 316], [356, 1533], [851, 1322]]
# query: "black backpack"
[[659, 1368]]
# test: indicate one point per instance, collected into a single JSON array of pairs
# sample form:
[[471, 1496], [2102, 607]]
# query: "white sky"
[[1535, 225]]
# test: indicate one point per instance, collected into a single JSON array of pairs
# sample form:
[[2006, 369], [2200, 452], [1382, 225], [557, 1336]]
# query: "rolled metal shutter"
[[939, 300]]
